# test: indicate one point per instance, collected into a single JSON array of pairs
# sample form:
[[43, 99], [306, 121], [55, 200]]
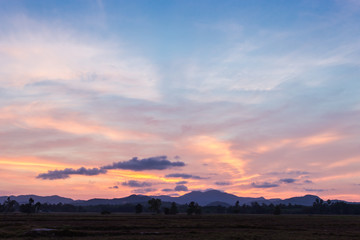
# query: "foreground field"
[[117, 226]]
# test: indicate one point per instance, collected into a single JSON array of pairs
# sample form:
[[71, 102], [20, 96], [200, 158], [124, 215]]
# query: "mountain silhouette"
[[21, 199], [210, 197]]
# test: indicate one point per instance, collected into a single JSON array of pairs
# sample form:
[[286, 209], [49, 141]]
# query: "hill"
[[202, 198]]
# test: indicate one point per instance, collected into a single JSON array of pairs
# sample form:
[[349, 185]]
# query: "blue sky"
[[242, 92]]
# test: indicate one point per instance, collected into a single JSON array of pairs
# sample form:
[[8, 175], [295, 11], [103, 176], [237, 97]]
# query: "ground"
[[146, 226]]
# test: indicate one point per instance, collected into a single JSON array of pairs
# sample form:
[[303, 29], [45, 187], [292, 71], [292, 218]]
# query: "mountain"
[[210, 197], [204, 198], [47, 199], [115, 201], [306, 200]]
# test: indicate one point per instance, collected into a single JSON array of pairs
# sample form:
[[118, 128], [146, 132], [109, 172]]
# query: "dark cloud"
[[183, 175], [62, 174], [264, 185], [143, 190], [167, 190], [182, 182], [180, 188], [114, 187], [153, 163], [308, 181], [287, 180], [133, 183], [222, 183]]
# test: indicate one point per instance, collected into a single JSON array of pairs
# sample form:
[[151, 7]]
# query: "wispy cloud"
[[182, 182], [134, 183], [315, 190], [264, 185], [223, 183], [183, 175], [62, 174], [153, 163], [144, 190]]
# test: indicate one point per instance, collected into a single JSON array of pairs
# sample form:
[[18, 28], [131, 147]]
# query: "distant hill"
[[210, 197], [115, 201], [47, 199], [204, 198], [306, 200]]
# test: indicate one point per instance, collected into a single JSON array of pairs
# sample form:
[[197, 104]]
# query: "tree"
[[277, 210], [138, 208], [237, 207], [166, 210], [173, 209], [37, 207], [10, 205], [29, 207], [193, 208], [154, 205]]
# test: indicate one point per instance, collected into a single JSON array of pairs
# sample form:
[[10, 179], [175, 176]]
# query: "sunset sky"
[[111, 98]]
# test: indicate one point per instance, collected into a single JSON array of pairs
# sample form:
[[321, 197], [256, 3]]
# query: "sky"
[[110, 98]]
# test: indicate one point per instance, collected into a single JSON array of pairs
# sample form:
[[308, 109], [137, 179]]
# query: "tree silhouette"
[[173, 209], [37, 207], [237, 207], [9, 205], [193, 208], [277, 210], [154, 205], [138, 208], [166, 210]]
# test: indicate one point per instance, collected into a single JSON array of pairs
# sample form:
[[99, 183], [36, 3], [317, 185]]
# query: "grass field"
[[217, 227]]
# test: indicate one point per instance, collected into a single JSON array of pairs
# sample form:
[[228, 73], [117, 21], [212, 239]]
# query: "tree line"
[[156, 206]]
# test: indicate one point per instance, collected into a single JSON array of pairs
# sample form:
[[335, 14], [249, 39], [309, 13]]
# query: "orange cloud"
[[29, 162], [318, 139], [217, 152]]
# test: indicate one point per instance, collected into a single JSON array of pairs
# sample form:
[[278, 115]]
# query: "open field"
[[118, 226]]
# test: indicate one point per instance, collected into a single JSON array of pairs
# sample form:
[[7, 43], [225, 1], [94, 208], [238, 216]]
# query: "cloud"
[[308, 181], [180, 188], [183, 175], [167, 190], [287, 180], [264, 185], [114, 187], [314, 190], [73, 56], [297, 173], [153, 163], [223, 183], [133, 183], [143, 190], [182, 182], [63, 174]]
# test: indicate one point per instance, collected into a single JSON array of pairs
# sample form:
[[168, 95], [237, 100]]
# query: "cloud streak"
[[134, 183], [264, 185], [183, 176], [135, 164], [153, 163], [63, 174]]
